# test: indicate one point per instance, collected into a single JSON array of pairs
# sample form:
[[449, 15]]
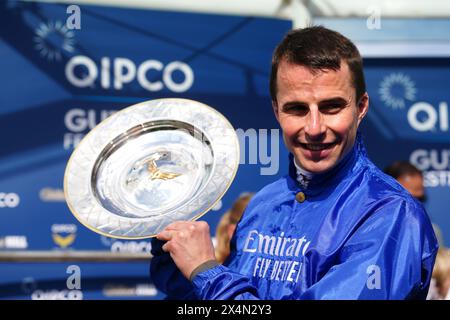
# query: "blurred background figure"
[[227, 225], [440, 282], [411, 179]]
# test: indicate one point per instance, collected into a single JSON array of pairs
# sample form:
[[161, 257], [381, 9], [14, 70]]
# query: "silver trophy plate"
[[149, 165]]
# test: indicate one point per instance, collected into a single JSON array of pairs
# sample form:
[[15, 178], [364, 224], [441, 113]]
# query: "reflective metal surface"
[[149, 165]]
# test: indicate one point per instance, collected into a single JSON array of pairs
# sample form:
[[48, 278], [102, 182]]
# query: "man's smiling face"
[[318, 113]]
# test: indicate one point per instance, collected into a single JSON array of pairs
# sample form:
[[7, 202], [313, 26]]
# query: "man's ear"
[[363, 107], [275, 109]]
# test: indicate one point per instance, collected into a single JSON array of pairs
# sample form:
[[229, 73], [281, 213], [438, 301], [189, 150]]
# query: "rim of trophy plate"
[[96, 146]]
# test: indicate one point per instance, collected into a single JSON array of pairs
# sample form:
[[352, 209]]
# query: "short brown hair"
[[401, 168], [318, 48]]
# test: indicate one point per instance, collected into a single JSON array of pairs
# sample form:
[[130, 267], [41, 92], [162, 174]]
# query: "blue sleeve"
[[211, 284], [166, 276], [223, 283], [389, 256]]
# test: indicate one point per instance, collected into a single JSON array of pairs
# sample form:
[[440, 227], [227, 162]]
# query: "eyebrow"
[[334, 100]]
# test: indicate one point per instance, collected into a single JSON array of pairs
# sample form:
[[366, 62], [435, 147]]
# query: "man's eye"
[[331, 108], [296, 109]]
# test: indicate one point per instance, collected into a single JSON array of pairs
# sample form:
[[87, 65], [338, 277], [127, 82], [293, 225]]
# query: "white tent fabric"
[[340, 15], [300, 11]]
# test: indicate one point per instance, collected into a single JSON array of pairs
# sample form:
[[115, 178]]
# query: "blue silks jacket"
[[357, 235]]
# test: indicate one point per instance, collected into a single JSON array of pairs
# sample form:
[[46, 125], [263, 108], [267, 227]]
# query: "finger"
[[165, 235], [166, 247], [178, 225]]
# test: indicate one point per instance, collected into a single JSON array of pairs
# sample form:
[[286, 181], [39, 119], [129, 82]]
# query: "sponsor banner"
[[64, 71], [409, 120], [81, 281], [80, 70]]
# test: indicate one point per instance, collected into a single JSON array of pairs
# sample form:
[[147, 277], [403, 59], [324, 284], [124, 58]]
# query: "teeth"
[[317, 147]]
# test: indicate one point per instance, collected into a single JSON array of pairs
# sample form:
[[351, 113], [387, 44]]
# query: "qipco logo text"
[[152, 75], [9, 200], [423, 117]]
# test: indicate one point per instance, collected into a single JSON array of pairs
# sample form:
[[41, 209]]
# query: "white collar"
[[302, 171], [303, 176]]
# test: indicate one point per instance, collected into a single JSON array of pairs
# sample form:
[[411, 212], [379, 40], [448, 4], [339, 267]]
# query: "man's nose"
[[315, 127]]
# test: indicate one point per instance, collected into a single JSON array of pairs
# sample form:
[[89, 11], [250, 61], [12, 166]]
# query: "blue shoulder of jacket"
[[272, 191], [393, 194], [381, 181], [401, 208]]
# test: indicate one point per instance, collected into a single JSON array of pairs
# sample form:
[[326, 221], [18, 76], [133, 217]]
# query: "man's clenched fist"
[[189, 244]]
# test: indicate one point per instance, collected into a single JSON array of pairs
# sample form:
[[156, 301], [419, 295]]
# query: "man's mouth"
[[317, 146]]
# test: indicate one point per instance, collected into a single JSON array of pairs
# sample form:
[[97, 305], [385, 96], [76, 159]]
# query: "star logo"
[[52, 38], [395, 89]]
